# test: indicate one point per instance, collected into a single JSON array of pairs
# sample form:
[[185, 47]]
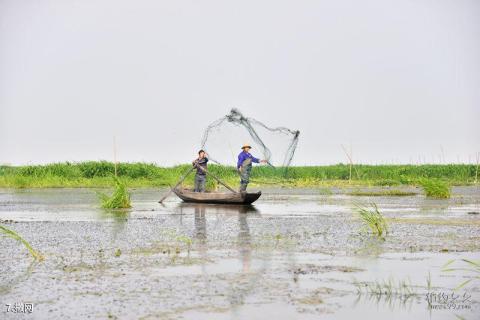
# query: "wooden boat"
[[217, 197]]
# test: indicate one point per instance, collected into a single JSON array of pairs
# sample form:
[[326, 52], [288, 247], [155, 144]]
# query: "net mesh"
[[223, 138]]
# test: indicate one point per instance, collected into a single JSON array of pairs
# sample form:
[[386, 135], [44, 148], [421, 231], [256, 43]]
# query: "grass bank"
[[100, 173]]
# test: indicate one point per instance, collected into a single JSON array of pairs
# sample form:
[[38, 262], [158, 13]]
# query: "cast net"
[[223, 140]]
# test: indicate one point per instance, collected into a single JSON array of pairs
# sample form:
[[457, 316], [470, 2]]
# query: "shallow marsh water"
[[297, 253]]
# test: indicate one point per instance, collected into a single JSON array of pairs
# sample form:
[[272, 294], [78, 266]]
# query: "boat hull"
[[217, 197]]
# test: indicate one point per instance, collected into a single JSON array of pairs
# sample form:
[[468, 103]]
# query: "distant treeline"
[[99, 173]]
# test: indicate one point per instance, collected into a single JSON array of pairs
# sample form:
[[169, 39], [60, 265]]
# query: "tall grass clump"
[[435, 188], [373, 220], [120, 199], [12, 234]]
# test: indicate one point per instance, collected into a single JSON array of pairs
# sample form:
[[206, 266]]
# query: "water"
[[297, 253]]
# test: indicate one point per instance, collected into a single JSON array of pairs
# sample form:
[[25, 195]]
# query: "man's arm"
[[256, 160], [240, 160]]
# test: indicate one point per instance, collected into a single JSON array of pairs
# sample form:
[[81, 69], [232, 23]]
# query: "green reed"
[[373, 220], [12, 234], [120, 199], [435, 188]]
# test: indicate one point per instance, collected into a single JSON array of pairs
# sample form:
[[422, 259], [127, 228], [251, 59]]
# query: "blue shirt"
[[244, 156]]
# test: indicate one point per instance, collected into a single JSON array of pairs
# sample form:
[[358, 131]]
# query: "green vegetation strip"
[[99, 173], [382, 193]]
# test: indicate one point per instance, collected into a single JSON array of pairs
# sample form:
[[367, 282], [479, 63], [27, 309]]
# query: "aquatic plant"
[[120, 198], [12, 234], [387, 182], [325, 191], [429, 281], [373, 219], [382, 193], [402, 288], [435, 188], [186, 240], [388, 291], [471, 266]]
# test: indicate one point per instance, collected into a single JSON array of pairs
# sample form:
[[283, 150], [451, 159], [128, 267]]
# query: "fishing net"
[[223, 140]]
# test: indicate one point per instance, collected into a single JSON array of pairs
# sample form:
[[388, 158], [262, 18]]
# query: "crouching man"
[[201, 175]]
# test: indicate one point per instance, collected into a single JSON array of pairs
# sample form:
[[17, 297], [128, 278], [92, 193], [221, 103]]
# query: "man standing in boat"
[[244, 166], [200, 177]]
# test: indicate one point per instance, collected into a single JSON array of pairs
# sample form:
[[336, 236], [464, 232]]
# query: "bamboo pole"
[[350, 158], [115, 155], [216, 178], [176, 185], [350, 162]]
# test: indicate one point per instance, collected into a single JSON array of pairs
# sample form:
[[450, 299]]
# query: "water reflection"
[[244, 242], [243, 283], [200, 224], [201, 211], [219, 213], [388, 300], [119, 218], [185, 208], [438, 206]]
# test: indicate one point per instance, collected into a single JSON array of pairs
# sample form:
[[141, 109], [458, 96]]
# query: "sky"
[[395, 81]]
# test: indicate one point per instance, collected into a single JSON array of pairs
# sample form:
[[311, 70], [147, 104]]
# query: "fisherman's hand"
[[263, 161]]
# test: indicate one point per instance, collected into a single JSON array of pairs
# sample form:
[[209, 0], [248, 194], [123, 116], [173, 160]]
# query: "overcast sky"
[[397, 80]]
